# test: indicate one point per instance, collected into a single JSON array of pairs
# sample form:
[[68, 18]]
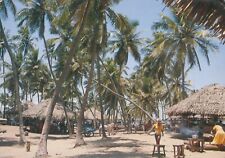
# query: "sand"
[[121, 145]]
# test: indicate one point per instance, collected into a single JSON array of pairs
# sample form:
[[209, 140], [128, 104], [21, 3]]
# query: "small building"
[[35, 115]]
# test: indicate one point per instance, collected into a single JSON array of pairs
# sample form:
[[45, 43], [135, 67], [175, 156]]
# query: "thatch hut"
[[27, 105], [40, 110], [210, 101], [34, 117], [209, 13]]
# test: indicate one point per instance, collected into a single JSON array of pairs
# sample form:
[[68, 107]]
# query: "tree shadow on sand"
[[8, 142], [111, 142], [53, 137], [106, 146], [113, 154]]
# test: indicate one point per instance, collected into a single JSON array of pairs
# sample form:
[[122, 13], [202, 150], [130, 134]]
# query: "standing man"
[[159, 129]]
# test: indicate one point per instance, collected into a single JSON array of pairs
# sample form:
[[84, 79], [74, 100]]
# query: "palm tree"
[[177, 41], [35, 74], [207, 13], [110, 78], [4, 6], [124, 41], [24, 41], [35, 15], [79, 26], [102, 11]]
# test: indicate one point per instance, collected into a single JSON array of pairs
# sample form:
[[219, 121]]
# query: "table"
[[196, 144]]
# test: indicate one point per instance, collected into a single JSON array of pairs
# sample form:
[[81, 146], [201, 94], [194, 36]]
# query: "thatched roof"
[[92, 114], [210, 13], [210, 100], [40, 110], [26, 105]]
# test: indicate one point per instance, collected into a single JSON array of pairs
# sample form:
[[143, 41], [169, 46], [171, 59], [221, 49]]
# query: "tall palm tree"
[[79, 26], [35, 74], [102, 11], [35, 15], [24, 41], [125, 41], [4, 6], [177, 41]]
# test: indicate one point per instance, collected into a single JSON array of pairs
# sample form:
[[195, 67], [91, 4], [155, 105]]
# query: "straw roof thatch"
[[210, 13], [26, 105], [40, 110], [92, 114], [210, 100]]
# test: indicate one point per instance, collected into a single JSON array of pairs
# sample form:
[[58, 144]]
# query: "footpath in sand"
[[121, 145]]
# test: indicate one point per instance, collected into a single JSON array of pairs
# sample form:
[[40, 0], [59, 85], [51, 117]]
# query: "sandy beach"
[[124, 145]]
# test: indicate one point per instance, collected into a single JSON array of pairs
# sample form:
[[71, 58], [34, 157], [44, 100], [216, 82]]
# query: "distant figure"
[[109, 128], [219, 138], [158, 128]]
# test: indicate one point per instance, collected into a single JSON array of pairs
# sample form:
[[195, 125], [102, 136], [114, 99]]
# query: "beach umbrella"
[[40, 110], [209, 100]]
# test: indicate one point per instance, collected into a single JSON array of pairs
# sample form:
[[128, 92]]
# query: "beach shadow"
[[113, 154], [111, 142], [53, 137], [8, 142]]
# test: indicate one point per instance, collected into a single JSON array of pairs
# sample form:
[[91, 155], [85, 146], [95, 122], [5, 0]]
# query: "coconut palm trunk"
[[183, 82], [16, 79], [42, 147], [68, 122], [48, 58], [100, 99], [4, 89], [79, 137]]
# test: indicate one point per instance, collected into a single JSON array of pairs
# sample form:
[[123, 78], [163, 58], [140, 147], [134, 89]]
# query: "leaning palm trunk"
[[48, 58], [169, 93], [119, 95], [100, 100], [68, 122], [16, 79], [79, 137], [121, 101], [183, 83], [4, 89], [42, 147]]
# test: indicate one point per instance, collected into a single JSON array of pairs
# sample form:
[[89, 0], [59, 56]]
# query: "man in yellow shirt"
[[158, 128]]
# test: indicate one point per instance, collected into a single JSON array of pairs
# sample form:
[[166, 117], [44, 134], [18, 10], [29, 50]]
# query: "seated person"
[[219, 138]]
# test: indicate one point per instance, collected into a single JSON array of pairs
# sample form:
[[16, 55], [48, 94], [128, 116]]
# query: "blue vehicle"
[[88, 131]]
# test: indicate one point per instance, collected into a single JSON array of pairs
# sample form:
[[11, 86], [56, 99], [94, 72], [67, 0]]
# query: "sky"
[[146, 12]]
